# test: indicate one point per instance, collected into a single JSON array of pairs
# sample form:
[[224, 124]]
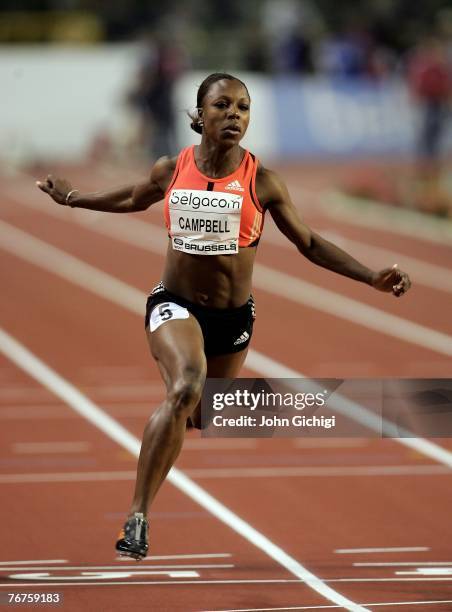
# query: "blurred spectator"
[[162, 62], [288, 25], [294, 53], [256, 53], [430, 78], [346, 53], [429, 75]]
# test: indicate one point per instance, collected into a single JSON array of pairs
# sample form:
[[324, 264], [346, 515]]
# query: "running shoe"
[[133, 537]]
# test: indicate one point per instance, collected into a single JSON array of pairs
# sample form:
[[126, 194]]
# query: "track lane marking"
[[73, 270], [388, 603], [32, 562], [403, 563], [348, 309], [239, 472], [424, 273], [37, 251], [316, 471], [421, 272], [396, 549], [150, 237], [152, 582], [426, 571], [129, 573], [35, 448], [243, 581], [38, 370], [378, 216], [67, 568], [167, 557], [270, 368]]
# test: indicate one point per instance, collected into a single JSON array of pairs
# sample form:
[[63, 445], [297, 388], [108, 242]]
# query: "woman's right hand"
[[57, 188]]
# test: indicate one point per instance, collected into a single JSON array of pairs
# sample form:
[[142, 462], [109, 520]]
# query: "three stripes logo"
[[234, 186], [243, 338]]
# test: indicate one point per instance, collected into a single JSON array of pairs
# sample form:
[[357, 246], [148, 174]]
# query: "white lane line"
[[332, 204], [295, 289], [421, 272], [427, 571], [167, 557], [35, 448], [352, 551], [448, 579], [374, 215], [67, 266], [404, 563], [53, 411], [67, 568], [38, 370], [316, 471], [389, 603], [153, 238], [34, 562], [358, 313], [36, 583], [250, 581], [132, 392], [386, 603], [344, 208], [270, 368], [88, 277], [67, 477], [136, 232], [122, 559], [118, 575], [239, 472]]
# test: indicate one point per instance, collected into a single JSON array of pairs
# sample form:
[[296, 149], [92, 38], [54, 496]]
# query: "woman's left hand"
[[392, 280]]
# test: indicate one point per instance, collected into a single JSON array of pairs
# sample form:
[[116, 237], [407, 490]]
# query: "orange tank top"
[[207, 216]]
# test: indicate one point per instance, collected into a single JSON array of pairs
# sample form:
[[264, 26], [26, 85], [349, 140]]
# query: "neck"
[[215, 161]]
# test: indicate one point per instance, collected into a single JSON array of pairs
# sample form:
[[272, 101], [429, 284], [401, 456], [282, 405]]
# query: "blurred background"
[[353, 95]]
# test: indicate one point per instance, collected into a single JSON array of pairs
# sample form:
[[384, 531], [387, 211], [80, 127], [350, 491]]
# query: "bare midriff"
[[215, 281]]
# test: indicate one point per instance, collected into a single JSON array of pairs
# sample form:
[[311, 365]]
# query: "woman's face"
[[226, 112]]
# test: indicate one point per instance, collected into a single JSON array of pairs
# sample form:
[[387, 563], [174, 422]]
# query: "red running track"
[[67, 485]]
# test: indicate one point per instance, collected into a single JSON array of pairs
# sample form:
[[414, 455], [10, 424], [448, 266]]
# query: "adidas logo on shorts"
[[158, 288], [235, 186], [243, 338]]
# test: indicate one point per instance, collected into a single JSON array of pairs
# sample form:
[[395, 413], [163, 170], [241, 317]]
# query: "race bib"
[[205, 222], [167, 311]]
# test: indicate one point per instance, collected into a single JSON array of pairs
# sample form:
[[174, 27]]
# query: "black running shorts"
[[225, 330]]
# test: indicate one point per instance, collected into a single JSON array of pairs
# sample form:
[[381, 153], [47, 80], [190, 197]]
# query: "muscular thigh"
[[178, 348], [220, 366], [225, 366]]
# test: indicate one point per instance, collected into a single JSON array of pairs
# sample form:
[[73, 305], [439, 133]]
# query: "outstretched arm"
[[274, 195], [130, 198]]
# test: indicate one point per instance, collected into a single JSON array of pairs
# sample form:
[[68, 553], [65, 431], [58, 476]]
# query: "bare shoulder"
[[163, 170], [270, 187]]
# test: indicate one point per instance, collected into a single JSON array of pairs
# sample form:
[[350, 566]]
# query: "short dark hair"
[[203, 90]]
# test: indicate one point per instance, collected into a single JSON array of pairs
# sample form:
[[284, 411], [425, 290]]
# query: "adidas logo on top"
[[243, 338], [235, 186]]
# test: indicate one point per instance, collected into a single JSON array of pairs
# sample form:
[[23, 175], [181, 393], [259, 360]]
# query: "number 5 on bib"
[[166, 312]]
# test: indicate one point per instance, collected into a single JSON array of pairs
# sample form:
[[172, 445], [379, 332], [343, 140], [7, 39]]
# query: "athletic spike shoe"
[[133, 537]]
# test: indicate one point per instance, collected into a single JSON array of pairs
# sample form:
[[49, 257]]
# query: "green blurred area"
[[50, 27]]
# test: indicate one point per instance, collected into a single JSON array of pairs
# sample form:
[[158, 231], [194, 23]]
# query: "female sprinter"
[[199, 319]]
